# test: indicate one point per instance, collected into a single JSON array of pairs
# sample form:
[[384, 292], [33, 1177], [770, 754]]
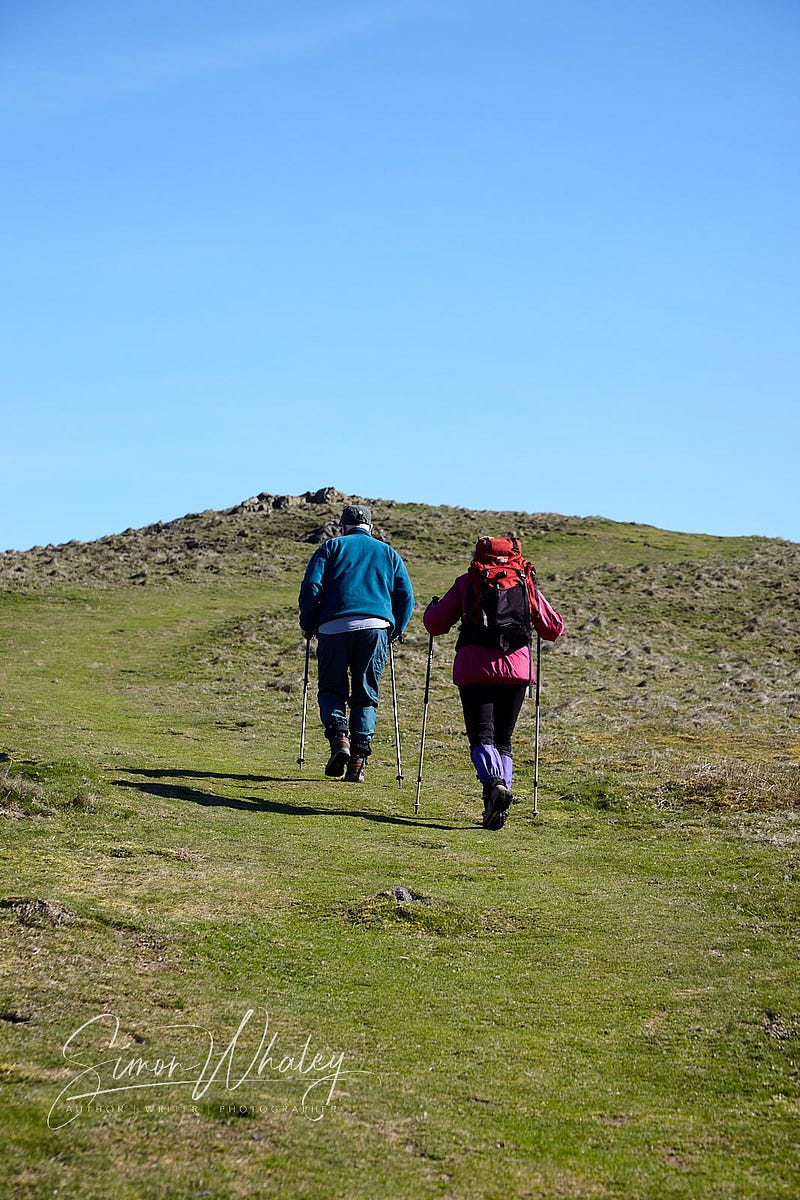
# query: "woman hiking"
[[499, 606]]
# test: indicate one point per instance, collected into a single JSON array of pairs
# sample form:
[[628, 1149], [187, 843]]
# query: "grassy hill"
[[600, 1002]]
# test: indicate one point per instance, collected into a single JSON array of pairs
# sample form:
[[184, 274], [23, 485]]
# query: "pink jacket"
[[484, 664]]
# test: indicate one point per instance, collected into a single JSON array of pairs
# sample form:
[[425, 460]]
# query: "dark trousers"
[[350, 666], [490, 713]]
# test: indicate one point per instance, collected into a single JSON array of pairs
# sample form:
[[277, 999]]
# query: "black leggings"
[[490, 713]]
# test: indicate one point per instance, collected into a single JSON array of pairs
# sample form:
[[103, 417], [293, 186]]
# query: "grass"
[[601, 1002]]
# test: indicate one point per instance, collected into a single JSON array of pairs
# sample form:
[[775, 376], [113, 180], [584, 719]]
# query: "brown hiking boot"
[[355, 771], [340, 755]]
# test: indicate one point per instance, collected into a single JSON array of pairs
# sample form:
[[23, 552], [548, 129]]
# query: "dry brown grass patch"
[[735, 784]]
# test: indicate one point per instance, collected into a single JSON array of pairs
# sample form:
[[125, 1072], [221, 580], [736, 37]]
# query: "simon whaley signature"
[[317, 1074]]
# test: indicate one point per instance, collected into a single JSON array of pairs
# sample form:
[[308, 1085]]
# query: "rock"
[[326, 495], [259, 503], [323, 532], [29, 910]]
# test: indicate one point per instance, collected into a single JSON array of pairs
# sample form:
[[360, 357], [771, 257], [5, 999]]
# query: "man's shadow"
[[255, 804], [175, 772]]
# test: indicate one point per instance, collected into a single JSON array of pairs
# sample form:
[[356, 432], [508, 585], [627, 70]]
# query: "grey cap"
[[356, 514]]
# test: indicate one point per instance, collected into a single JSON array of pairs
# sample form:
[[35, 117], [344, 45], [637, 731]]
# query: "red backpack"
[[502, 600]]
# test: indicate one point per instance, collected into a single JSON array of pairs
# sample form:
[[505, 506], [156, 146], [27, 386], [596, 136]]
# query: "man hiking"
[[357, 597]]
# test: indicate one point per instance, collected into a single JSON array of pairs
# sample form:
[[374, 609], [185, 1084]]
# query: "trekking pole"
[[305, 705], [536, 737], [396, 722], [424, 721]]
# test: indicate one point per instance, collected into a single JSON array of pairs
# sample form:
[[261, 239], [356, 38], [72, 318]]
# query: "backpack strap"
[[533, 590]]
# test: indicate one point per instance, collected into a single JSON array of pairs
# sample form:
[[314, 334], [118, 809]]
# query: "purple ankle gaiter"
[[487, 762]]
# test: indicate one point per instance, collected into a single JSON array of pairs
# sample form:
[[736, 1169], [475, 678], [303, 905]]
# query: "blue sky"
[[506, 254]]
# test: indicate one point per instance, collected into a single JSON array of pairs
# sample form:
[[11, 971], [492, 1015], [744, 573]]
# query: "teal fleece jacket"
[[356, 575]]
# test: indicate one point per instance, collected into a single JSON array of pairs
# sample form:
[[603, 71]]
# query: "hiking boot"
[[496, 799], [340, 755], [355, 770]]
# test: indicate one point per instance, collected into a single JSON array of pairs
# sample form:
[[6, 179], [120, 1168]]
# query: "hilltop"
[[245, 539]]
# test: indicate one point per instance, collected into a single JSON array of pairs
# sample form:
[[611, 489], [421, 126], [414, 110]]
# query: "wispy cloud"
[[79, 78]]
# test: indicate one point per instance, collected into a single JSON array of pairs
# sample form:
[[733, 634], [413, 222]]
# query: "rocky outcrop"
[[266, 501]]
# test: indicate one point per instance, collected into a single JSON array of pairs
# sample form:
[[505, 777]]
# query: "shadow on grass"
[[175, 773], [255, 804]]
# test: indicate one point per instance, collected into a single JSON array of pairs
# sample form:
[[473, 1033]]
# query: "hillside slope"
[[664, 630], [597, 1003]]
